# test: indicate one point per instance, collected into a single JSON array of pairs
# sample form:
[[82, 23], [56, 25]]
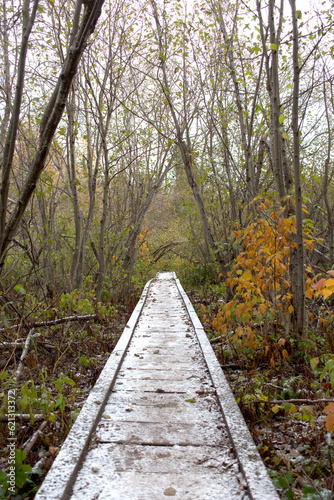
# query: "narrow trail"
[[161, 420]]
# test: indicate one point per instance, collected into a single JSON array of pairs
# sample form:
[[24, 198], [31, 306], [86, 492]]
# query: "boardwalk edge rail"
[[259, 484], [61, 477]]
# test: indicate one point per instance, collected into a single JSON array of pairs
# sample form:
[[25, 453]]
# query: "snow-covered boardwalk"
[[161, 420]]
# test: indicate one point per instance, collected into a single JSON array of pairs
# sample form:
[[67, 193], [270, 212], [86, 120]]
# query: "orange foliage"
[[143, 250], [260, 280]]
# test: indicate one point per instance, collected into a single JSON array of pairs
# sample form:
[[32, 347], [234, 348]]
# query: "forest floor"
[[65, 360]]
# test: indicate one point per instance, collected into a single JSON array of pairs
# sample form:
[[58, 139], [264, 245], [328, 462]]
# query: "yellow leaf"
[[329, 283], [290, 309], [263, 308], [326, 292], [247, 276], [272, 362]]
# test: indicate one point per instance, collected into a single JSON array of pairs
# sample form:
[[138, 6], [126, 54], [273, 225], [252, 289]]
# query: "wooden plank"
[[185, 473]]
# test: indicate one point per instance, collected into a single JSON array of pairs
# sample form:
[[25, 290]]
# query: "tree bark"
[[298, 286]]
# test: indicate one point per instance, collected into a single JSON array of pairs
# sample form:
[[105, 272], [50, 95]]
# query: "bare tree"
[[85, 17]]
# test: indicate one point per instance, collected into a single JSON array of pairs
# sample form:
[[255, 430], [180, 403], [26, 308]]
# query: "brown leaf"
[[329, 420]]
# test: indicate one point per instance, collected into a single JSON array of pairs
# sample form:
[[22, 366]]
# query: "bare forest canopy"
[[192, 136], [140, 135]]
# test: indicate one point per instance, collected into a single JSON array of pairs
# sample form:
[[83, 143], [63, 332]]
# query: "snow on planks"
[[161, 420]]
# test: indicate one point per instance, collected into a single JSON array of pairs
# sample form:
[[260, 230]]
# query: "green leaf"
[[20, 289], [4, 480], [60, 402], [190, 400], [273, 46], [24, 402], [299, 14], [331, 378], [290, 478], [323, 373], [20, 456], [285, 135], [20, 478], [281, 119], [68, 381], [26, 468], [282, 481], [289, 493]]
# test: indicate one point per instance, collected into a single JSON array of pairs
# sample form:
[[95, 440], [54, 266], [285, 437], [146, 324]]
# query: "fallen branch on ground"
[[31, 441], [25, 351], [53, 322]]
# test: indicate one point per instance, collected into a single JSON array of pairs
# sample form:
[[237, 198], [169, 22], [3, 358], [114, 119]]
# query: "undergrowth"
[[283, 383], [42, 396]]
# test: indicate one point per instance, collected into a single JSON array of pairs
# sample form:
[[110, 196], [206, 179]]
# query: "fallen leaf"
[[170, 492], [329, 420]]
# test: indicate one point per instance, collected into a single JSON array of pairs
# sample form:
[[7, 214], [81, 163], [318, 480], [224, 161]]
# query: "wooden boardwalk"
[[161, 420]]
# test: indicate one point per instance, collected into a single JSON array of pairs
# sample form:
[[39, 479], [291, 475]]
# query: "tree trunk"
[[297, 257]]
